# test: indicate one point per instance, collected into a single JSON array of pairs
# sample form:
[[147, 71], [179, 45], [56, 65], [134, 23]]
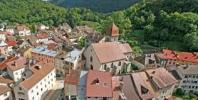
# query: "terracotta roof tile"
[[38, 74], [98, 84], [42, 35], [129, 89], [72, 77], [113, 30], [3, 65], [17, 64], [162, 80], [181, 56], [109, 51], [143, 86], [4, 89], [5, 80]]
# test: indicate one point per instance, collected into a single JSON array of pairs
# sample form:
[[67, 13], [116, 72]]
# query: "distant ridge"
[[96, 5]]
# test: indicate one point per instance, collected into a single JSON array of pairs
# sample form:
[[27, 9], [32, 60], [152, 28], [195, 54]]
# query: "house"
[[113, 32], [108, 56], [172, 58], [149, 84], [143, 86], [42, 53], [3, 47], [71, 85], [3, 35], [42, 37], [11, 42], [41, 27], [3, 64], [65, 28], [98, 85], [189, 77], [71, 59], [31, 40], [163, 84], [75, 85], [74, 58], [37, 81], [10, 29], [5, 92], [22, 30], [123, 88], [16, 67]]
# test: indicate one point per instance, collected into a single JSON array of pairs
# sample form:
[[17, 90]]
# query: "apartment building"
[[37, 81], [172, 58], [189, 77]]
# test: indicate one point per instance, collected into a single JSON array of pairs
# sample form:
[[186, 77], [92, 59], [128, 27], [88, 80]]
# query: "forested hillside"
[[160, 23], [97, 5]]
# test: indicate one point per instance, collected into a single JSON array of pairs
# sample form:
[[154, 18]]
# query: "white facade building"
[[23, 30], [16, 68], [189, 77], [35, 86], [5, 92]]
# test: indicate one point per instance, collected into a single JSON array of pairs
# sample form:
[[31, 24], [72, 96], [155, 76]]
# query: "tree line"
[[160, 23]]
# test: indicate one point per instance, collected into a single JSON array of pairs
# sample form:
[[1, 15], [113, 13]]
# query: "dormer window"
[[144, 90], [96, 81]]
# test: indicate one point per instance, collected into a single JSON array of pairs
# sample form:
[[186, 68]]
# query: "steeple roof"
[[113, 30]]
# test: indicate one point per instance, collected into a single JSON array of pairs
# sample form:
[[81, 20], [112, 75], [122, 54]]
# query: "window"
[[37, 93], [91, 58], [32, 91], [5, 94], [111, 65], [119, 64], [105, 66], [41, 89], [20, 88]]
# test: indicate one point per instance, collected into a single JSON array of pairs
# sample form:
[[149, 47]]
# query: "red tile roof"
[[52, 46], [17, 64], [37, 75], [113, 30], [11, 41], [42, 35], [5, 80], [72, 77], [3, 65], [99, 84], [4, 89], [129, 89], [143, 86], [182, 56], [110, 51], [6, 33], [161, 80]]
